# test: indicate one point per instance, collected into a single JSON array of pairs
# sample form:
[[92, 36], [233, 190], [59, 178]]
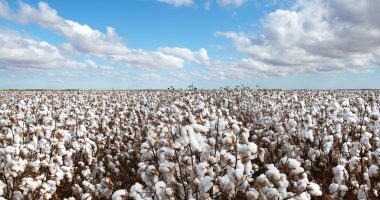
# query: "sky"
[[155, 44]]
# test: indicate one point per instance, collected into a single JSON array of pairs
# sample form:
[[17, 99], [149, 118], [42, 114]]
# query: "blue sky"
[[136, 44]]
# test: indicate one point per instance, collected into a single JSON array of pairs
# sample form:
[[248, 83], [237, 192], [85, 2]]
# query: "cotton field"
[[190, 144]]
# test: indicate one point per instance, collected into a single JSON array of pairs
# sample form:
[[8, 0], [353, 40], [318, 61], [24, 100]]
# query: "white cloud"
[[315, 36], [68, 74], [82, 39], [200, 57], [152, 60], [91, 63], [20, 53], [4, 12], [178, 3], [233, 3]]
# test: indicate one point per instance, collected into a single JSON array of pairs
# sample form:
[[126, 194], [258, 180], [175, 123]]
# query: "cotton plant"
[[190, 144]]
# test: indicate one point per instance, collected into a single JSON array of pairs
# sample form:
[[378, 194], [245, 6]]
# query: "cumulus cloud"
[[83, 39], [200, 57], [178, 3], [68, 75], [20, 53], [314, 36], [233, 3]]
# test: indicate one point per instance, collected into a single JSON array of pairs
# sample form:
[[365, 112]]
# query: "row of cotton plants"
[[190, 144]]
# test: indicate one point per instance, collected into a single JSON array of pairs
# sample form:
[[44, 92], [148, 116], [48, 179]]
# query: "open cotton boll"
[[252, 194], [120, 195], [136, 191], [165, 167], [262, 181], [202, 142], [245, 135], [313, 154], [339, 173], [86, 196], [293, 165], [193, 139], [185, 137], [89, 186], [225, 183], [301, 185], [201, 169], [3, 186], [373, 170], [364, 140], [206, 184], [160, 186], [363, 192], [314, 189], [235, 128], [327, 143], [272, 193], [273, 173], [261, 154], [333, 188], [343, 189], [252, 147], [353, 162], [200, 128], [17, 195], [237, 174]]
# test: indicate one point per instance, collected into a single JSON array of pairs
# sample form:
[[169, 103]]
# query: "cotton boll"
[[17, 195], [120, 195], [301, 185], [200, 128], [308, 134], [343, 189], [136, 191], [201, 169], [273, 173], [165, 167], [245, 135], [225, 183], [327, 143], [339, 173], [238, 175], [206, 184], [212, 160], [363, 192], [169, 192], [353, 162], [365, 140], [235, 128], [159, 186], [252, 194], [252, 147], [313, 154], [105, 187], [373, 170], [86, 196], [262, 181], [193, 139], [248, 168], [272, 193], [314, 189], [2, 187], [89, 186], [333, 188]]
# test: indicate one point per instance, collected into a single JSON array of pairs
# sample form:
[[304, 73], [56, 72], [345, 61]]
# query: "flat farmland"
[[190, 144]]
